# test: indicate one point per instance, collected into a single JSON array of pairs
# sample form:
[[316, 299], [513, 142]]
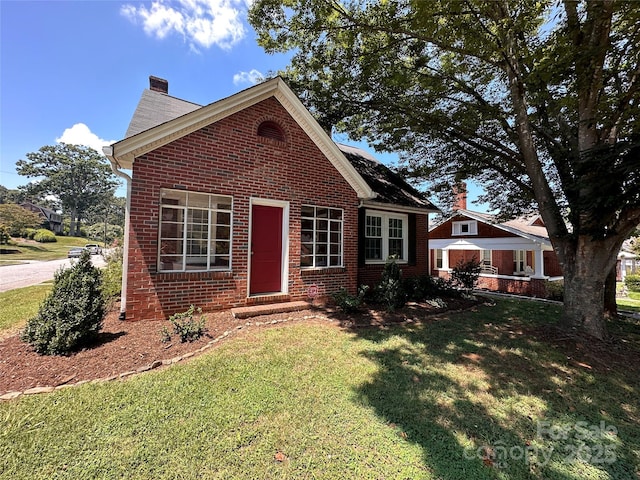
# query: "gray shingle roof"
[[390, 187], [155, 108]]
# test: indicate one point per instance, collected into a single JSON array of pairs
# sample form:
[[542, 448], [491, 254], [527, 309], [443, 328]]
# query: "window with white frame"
[[468, 227], [321, 236], [485, 257], [439, 258], [386, 234], [195, 231], [519, 261]]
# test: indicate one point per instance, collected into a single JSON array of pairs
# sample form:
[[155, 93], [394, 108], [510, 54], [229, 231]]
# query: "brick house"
[[516, 256], [248, 201]]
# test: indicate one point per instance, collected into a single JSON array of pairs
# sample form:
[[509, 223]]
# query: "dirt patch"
[[128, 346]]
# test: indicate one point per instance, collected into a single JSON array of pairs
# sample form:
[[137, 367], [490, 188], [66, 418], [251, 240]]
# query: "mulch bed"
[[128, 346]]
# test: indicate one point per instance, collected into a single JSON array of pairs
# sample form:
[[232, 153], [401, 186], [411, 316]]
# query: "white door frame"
[[284, 269]]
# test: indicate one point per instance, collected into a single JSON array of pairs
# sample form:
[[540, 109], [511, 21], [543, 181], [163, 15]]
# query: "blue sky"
[[73, 71]]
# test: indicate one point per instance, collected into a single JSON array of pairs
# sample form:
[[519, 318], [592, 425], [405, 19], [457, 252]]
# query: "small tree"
[[17, 218], [71, 314], [390, 290], [466, 274]]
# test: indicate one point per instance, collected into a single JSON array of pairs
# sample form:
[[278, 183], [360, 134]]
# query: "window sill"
[[213, 274], [321, 270], [382, 262]]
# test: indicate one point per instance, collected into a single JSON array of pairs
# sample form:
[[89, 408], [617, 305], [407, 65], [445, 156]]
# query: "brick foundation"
[[530, 287]]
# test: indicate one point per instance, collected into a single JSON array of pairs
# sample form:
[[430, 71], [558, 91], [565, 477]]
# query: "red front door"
[[266, 250]]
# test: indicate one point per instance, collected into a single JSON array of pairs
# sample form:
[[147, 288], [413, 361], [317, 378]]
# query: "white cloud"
[[252, 77], [80, 134], [202, 23]]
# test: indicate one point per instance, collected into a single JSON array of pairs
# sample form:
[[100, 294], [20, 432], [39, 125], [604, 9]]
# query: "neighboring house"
[[50, 219], [627, 263], [516, 256], [247, 200]]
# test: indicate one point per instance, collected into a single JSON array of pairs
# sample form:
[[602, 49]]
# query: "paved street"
[[18, 276]]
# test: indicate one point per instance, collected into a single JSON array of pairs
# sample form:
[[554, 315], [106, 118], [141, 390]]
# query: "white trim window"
[[519, 261], [439, 256], [468, 227], [195, 231], [321, 237], [385, 235]]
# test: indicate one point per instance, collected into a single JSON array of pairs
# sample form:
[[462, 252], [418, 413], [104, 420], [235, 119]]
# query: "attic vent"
[[271, 130]]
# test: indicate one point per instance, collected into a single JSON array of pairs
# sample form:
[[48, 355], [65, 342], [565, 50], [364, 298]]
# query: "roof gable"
[[521, 227], [125, 151]]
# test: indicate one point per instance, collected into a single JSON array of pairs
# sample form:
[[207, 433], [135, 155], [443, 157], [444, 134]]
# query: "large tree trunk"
[[586, 266]]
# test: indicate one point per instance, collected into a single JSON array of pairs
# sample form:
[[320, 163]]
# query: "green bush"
[[555, 290], [4, 235], [112, 275], [350, 303], [73, 312], [466, 274], [390, 291], [425, 287], [45, 236], [28, 233], [186, 326], [632, 282]]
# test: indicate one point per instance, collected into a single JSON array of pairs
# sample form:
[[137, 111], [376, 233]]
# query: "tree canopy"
[[535, 100], [16, 218], [78, 176]]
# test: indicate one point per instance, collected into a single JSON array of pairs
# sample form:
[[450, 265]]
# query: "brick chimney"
[[158, 84], [460, 194]]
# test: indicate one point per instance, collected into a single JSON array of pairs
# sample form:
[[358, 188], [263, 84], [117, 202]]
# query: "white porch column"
[[445, 259], [538, 262]]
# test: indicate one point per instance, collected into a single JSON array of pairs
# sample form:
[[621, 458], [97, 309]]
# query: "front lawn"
[[629, 303], [483, 394], [30, 250], [17, 306]]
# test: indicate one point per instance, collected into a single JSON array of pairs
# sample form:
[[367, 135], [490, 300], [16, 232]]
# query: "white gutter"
[[108, 151]]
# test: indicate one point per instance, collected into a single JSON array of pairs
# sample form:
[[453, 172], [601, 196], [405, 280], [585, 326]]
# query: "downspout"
[[108, 151]]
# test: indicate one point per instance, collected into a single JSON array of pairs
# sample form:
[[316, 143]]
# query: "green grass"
[[629, 303], [408, 402], [41, 251], [16, 306]]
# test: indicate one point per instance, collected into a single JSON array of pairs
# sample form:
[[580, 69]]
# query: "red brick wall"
[[370, 274], [227, 158]]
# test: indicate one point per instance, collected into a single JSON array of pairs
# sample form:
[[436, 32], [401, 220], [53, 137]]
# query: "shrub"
[[350, 303], [555, 290], [390, 291], [4, 235], [632, 282], [28, 233], [112, 275], [45, 236], [426, 287], [186, 326], [73, 312], [465, 274]]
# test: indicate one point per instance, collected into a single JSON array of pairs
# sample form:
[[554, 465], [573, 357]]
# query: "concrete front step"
[[256, 310]]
